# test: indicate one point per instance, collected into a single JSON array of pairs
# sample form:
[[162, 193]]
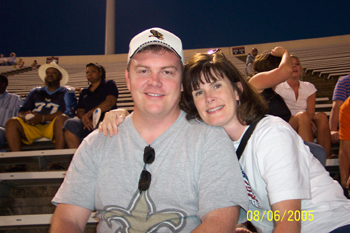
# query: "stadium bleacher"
[[25, 196]]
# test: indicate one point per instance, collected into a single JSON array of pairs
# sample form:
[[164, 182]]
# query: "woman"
[[283, 178], [272, 69], [100, 94], [300, 96], [283, 175], [20, 63]]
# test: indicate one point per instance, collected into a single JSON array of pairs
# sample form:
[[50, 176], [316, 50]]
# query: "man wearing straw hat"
[[44, 111]]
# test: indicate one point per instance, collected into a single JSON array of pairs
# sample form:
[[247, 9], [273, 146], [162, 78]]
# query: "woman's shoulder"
[[110, 82], [307, 84], [273, 123]]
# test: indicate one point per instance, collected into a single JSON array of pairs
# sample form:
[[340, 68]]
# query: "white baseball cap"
[[156, 36], [43, 68]]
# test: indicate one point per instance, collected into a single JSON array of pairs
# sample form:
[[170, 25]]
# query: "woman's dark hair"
[[100, 68], [265, 62], [216, 66]]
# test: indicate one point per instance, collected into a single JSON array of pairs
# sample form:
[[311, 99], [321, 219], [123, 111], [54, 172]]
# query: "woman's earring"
[[196, 119]]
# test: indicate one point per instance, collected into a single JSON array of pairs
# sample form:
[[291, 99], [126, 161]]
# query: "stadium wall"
[[242, 50]]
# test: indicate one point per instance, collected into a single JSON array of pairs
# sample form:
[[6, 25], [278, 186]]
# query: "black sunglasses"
[[146, 177], [212, 51]]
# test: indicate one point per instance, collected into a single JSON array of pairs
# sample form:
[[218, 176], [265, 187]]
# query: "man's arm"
[[334, 120], [219, 220], [287, 209], [344, 161], [69, 219]]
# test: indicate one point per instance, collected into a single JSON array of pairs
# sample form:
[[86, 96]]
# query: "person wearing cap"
[[160, 173], [9, 106], [44, 111]]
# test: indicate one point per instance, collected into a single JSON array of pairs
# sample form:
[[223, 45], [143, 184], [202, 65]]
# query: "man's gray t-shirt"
[[195, 171]]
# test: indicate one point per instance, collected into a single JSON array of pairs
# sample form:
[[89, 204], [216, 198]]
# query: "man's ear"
[[127, 79]]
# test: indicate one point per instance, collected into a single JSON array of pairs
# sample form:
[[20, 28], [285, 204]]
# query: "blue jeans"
[[343, 229], [318, 151], [2, 136]]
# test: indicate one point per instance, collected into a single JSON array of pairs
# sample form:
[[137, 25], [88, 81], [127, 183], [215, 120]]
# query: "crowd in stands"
[[267, 118], [46, 109], [11, 61]]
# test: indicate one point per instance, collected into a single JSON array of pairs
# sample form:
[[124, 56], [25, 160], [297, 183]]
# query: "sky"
[[77, 27]]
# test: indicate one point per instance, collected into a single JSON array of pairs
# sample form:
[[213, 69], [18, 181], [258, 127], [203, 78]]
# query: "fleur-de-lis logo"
[[142, 216], [157, 34]]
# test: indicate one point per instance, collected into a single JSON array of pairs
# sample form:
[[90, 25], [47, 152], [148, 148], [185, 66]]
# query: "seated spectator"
[[11, 61], [20, 63], [272, 69], [300, 97], [340, 94], [249, 62], [9, 106], [35, 65], [190, 181], [344, 145], [101, 94], [44, 111], [3, 61]]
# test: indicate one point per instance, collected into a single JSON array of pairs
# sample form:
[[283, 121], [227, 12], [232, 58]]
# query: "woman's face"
[[93, 75], [216, 102], [296, 68]]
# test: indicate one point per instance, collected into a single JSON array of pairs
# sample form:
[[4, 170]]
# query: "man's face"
[[255, 52], [154, 81], [53, 77]]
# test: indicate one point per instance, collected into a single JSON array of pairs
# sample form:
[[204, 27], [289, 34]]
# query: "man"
[[190, 179], [11, 61], [249, 62], [44, 110], [9, 106], [340, 94], [344, 145]]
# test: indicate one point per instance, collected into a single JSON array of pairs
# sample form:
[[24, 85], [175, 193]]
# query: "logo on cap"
[[157, 34]]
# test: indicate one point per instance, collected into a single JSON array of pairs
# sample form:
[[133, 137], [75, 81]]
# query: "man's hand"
[[34, 120]]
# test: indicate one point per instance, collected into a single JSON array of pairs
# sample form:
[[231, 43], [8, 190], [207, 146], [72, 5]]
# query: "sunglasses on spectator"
[[146, 177], [212, 51]]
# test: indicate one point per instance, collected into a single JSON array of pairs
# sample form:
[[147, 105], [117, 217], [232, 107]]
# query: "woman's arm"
[[272, 78], [310, 107], [288, 209], [106, 105], [112, 119]]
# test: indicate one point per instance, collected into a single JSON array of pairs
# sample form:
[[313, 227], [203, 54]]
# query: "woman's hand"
[[87, 121], [278, 51], [111, 121]]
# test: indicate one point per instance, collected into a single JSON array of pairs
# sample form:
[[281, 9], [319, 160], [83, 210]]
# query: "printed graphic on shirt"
[[142, 216], [252, 198]]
